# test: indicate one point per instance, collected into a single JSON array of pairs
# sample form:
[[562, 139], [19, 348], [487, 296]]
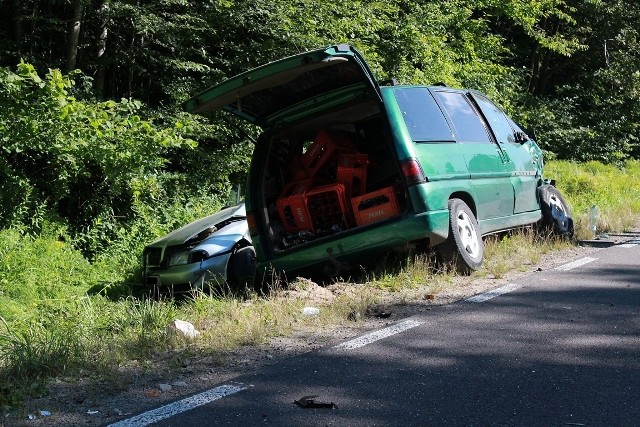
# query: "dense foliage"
[[95, 147]]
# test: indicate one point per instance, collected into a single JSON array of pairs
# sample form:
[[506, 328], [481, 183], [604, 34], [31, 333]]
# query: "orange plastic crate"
[[327, 206], [353, 160], [292, 207], [352, 173], [375, 206], [298, 172], [325, 145]]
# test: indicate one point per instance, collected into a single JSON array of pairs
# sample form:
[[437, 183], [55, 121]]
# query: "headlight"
[[179, 258]]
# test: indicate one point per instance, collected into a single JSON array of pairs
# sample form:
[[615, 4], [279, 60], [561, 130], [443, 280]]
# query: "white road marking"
[[575, 264], [629, 244], [494, 293], [378, 335], [178, 407]]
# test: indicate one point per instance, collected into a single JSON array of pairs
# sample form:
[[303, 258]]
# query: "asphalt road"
[[558, 348]]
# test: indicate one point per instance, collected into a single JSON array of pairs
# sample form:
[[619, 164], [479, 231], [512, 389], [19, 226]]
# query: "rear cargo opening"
[[330, 175]]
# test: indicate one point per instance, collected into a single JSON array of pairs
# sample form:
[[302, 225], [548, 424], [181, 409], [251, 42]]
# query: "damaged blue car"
[[214, 251]]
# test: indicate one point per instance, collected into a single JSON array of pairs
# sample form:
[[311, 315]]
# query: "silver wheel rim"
[[468, 235], [558, 212]]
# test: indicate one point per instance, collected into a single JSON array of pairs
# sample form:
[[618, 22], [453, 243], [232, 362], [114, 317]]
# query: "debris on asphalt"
[[179, 384], [310, 402], [92, 412], [379, 311], [165, 387], [152, 393], [45, 413]]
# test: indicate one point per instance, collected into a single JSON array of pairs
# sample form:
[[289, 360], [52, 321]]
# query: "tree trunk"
[[16, 17], [74, 35], [103, 32], [545, 72], [535, 67]]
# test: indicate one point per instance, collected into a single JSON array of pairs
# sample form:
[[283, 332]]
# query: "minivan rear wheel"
[[464, 247]]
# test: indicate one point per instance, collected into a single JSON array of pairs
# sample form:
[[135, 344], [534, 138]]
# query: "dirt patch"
[[170, 376]]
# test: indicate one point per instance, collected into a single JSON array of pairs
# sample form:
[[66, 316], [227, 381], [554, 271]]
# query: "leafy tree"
[[78, 159], [592, 111]]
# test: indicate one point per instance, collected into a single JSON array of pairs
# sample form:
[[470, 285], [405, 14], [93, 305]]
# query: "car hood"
[[288, 89], [191, 231]]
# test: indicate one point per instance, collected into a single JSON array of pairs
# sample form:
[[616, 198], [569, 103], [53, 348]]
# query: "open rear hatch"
[[273, 92], [325, 163]]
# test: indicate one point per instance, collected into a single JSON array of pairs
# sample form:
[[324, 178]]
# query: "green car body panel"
[[496, 171]]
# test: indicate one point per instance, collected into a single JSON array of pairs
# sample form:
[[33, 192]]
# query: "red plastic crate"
[[292, 207], [325, 145], [328, 207], [352, 173], [298, 172], [353, 160], [375, 206]]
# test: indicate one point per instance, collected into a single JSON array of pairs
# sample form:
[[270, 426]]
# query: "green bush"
[[34, 271]]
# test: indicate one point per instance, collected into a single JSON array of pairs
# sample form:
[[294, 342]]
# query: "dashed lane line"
[[178, 407], [629, 244], [378, 335], [494, 293], [575, 264]]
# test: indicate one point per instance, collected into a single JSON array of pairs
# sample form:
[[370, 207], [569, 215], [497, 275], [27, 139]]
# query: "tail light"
[[412, 172]]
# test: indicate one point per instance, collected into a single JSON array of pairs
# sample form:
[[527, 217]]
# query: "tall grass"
[[517, 251]]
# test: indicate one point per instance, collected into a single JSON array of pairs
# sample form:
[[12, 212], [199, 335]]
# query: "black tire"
[[463, 247], [241, 271], [556, 216]]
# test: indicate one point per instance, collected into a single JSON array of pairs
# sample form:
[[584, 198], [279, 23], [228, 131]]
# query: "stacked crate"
[[352, 173], [375, 206], [328, 189]]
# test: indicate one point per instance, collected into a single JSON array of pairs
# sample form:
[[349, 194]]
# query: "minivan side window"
[[468, 125], [422, 115], [501, 128]]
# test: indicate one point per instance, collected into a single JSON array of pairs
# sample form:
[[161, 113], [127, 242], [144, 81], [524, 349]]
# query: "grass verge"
[[50, 327]]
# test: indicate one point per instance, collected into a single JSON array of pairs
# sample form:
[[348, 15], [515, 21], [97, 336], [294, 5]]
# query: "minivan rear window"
[[422, 115]]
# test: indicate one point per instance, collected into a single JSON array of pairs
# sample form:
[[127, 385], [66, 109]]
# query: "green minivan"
[[347, 167]]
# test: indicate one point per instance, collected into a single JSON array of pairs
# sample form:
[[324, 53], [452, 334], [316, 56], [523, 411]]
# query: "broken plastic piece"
[[310, 311], [309, 402]]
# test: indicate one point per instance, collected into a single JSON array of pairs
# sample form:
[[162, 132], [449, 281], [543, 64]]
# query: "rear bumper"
[[348, 248]]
